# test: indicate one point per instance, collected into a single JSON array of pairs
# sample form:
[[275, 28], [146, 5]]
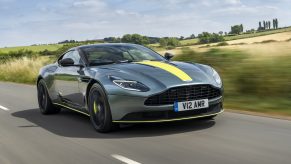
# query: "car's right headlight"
[[130, 84], [216, 77]]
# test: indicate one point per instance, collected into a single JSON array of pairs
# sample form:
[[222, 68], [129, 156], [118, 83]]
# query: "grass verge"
[[23, 70], [253, 84]]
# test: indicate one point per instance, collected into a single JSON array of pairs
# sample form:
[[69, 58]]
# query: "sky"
[[26, 22]]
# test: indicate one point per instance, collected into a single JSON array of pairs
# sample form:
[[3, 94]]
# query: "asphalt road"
[[27, 137]]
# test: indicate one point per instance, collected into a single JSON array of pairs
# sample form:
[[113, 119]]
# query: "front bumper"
[[128, 109]]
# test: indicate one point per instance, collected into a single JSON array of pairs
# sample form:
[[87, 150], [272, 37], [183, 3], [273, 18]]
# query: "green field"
[[189, 42], [36, 48], [268, 32]]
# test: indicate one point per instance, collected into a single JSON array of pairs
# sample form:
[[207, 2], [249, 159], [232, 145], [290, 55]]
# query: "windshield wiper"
[[124, 61], [151, 60]]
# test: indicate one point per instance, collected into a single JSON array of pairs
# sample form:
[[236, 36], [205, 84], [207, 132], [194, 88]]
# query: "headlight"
[[130, 84], [216, 77]]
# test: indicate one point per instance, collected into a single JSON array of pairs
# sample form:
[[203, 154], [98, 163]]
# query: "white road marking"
[[4, 108], [124, 159]]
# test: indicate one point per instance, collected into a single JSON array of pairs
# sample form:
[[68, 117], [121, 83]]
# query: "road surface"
[[27, 137]]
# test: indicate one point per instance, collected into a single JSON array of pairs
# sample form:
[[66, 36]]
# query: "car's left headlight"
[[216, 77], [130, 84]]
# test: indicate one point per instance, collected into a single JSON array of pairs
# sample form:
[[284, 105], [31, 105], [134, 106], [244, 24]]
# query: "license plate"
[[191, 105]]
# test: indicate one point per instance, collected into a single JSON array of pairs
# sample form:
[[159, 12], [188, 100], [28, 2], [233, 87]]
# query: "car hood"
[[158, 78]]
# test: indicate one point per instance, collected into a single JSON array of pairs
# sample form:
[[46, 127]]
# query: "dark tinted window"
[[116, 53], [73, 55]]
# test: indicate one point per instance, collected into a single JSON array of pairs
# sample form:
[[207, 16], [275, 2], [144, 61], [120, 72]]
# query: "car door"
[[67, 80]]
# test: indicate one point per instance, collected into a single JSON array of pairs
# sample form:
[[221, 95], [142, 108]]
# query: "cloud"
[[89, 4], [232, 2], [5, 1], [29, 22], [246, 10]]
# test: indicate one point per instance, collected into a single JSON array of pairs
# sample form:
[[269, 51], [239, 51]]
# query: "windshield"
[[109, 54]]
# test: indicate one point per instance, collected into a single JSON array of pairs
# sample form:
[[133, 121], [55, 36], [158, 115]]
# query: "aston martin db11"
[[128, 83]]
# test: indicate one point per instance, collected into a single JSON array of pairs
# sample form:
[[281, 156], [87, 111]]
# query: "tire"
[[45, 104], [99, 110]]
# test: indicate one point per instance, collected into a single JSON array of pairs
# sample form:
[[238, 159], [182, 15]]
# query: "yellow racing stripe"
[[169, 68]]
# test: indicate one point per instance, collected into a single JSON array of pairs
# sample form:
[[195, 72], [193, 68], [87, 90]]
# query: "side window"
[[73, 55], [66, 55], [76, 57]]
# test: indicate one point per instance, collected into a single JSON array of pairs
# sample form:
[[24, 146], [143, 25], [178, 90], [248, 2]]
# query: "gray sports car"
[[128, 83]]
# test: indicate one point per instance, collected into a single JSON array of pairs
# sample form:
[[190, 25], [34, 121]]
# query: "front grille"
[[183, 93]]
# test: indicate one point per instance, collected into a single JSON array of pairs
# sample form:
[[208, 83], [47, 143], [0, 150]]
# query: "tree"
[[206, 37], [216, 38], [163, 42], [276, 20], [138, 39], [169, 42], [236, 29], [135, 38], [126, 38], [241, 28], [220, 32], [112, 40], [153, 40], [192, 36], [275, 23]]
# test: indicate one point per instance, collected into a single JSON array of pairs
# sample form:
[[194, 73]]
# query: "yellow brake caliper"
[[95, 107]]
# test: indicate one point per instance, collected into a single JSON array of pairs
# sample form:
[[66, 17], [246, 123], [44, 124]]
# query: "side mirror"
[[168, 55], [66, 62]]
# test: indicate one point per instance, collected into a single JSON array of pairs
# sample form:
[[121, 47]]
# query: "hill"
[[278, 44], [35, 48], [187, 42]]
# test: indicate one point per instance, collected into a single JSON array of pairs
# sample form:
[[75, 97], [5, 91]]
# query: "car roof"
[[104, 45]]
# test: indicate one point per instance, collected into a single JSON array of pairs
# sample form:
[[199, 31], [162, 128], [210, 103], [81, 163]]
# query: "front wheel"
[[45, 104], [99, 109]]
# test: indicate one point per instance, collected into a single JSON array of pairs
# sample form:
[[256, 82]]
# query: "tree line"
[[172, 42], [207, 37], [266, 25], [166, 42]]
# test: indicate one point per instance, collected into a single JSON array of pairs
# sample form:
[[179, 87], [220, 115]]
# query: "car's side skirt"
[[168, 120], [70, 108]]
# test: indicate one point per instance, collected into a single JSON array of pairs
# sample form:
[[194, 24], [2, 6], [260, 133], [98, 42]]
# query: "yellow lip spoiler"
[[169, 68]]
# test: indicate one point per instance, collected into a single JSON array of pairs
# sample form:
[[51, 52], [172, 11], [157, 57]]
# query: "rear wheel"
[[99, 109], [45, 104]]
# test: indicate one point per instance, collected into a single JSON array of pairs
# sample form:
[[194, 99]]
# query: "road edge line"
[[4, 108], [124, 159]]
